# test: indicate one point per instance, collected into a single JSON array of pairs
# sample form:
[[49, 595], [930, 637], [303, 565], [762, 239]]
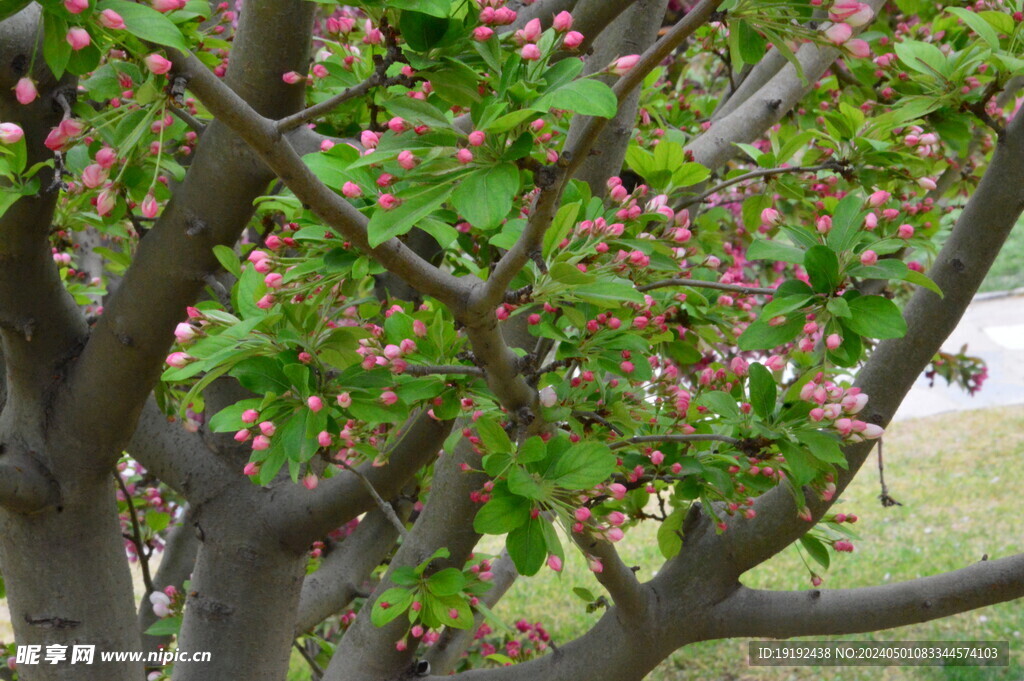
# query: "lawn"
[[957, 476]]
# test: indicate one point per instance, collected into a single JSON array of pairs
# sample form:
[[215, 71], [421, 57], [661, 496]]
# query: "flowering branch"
[[695, 437], [698, 283], [834, 166]]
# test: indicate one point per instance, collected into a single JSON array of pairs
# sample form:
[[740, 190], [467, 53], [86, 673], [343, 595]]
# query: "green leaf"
[[485, 196], [588, 97], [801, 466], [9, 8], [978, 25], [815, 549], [876, 317], [386, 224], [526, 547], [422, 31], [447, 582], [720, 402], [228, 259], [922, 57], [762, 390], [824, 446], [494, 437], [763, 249], [503, 513], [523, 484], [846, 223], [56, 49], [418, 110], [168, 626], [762, 336], [669, 539], [822, 267], [608, 293], [915, 277], [435, 8], [145, 22], [398, 600], [688, 174], [751, 43], [582, 466]]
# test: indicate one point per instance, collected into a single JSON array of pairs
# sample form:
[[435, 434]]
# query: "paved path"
[[993, 328]]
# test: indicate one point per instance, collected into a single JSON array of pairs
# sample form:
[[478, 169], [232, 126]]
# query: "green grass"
[[1008, 270], [957, 477]]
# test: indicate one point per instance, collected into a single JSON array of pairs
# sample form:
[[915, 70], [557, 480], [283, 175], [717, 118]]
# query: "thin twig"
[[884, 496], [755, 174], [136, 537], [318, 673], [297, 119], [696, 437], [452, 369], [384, 506], [188, 119], [698, 283]]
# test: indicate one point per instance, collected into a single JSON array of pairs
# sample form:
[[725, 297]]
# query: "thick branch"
[[25, 484], [782, 614]]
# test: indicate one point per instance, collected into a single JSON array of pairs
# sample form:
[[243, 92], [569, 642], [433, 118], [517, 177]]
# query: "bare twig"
[[696, 437], [136, 537], [383, 505], [451, 369], [755, 174], [698, 283]]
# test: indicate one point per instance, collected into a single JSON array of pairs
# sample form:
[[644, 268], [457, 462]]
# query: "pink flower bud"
[[110, 19], [242, 435], [464, 156], [833, 341], [76, 6], [868, 258], [388, 398], [406, 159], [531, 32], [824, 224], [315, 403], [268, 428], [310, 481], [387, 201], [858, 48], [397, 125], [476, 138], [251, 469], [369, 139], [292, 77], [106, 201], [878, 198], [572, 40], [905, 231], [106, 157], [78, 38], [555, 563], [482, 33], [260, 442], [657, 457], [582, 514], [250, 416], [178, 359], [351, 190], [927, 183], [548, 397], [157, 63], [25, 91], [184, 332], [10, 133], [344, 400], [150, 208], [770, 216], [837, 34], [562, 22], [624, 64]]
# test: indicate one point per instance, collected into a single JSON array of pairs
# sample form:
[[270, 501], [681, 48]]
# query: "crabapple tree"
[[310, 297]]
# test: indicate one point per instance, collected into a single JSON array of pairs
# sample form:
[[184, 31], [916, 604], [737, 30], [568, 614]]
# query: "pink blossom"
[[868, 258], [184, 332], [572, 40], [555, 563], [78, 38], [344, 400], [369, 139], [770, 216], [530, 52], [178, 359], [25, 91], [852, 12], [387, 201], [562, 22], [268, 428], [824, 224], [837, 34], [833, 341], [388, 398], [251, 469], [351, 190], [168, 5], [872, 431], [406, 159], [482, 33], [858, 48], [266, 302], [529, 33], [397, 125], [548, 396], [106, 201], [250, 416], [310, 481], [582, 514], [106, 157], [76, 6], [617, 490], [927, 183], [292, 77], [477, 138], [315, 403], [464, 156], [419, 328], [624, 64], [878, 198], [10, 133], [150, 208], [905, 231], [657, 457], [108, 18], [158, 64]]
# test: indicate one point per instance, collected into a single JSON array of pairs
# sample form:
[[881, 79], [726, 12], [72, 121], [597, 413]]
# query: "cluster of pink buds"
[[495, 13], [837, 404], [163, 601], [390, 355]]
